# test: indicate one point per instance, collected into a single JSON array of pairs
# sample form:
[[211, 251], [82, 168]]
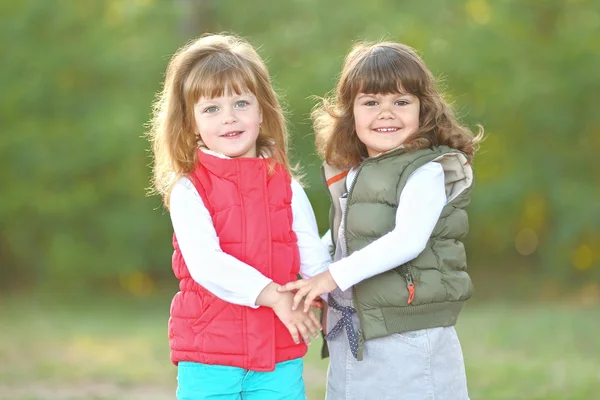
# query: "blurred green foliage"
[[78, 79]]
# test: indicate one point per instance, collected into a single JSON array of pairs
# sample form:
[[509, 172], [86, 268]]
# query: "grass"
[[116, 348]]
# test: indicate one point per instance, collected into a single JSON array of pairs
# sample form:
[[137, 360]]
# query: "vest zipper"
[[405, 272], [410, 286], [358, 310], [331, 209], [345, 219]]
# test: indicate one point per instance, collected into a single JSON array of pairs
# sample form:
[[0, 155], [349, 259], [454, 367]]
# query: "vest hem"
[[412, 318]]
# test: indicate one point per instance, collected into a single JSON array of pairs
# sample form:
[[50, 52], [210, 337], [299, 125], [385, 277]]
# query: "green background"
[[85, 276]]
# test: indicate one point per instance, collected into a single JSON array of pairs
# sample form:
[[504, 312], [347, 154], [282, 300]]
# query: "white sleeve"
[[419, 208], [220, 273], [327, 239], [314, 255]]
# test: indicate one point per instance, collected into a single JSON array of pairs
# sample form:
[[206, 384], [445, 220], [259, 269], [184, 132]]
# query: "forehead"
[[384, 96], [224, 87], [213, 79], [393, 94]]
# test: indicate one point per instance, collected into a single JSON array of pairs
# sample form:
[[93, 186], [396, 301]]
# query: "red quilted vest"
[[252, 214]]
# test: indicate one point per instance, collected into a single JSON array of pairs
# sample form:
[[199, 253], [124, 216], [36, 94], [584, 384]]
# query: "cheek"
[[252, 119], [198, 122], [417, 114], [416, 121], [413, 118], [205, 138], [360, 120], [205, 130], [356, 115], [197, 117]]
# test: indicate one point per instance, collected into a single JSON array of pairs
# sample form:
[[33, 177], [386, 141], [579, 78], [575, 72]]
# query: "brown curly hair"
[[208, 67], [385, 67]]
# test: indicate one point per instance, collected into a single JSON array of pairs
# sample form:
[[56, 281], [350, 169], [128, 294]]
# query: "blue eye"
[[241, 104], [402, 103], [371, 103], [211, 109]]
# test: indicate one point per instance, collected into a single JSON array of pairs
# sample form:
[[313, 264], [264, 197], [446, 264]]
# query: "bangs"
[[218, 75], [383, 71]]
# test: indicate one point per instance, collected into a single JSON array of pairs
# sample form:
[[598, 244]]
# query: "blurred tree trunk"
[[198, 17]]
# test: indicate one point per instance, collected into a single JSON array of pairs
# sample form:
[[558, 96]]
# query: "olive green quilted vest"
[[428, 291]]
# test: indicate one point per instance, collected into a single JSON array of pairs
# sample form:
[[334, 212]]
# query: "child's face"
[[385, 121], [229, 124]]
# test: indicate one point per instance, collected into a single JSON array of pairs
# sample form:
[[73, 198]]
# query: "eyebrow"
[[361, 95], [249, 94], [201, 103], [212, 101]]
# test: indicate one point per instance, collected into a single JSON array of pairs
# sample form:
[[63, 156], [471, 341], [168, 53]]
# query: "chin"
[[236, 154]]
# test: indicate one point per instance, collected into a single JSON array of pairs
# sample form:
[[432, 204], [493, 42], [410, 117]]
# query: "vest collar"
[[333, 174], [206, 150], [227, 167]]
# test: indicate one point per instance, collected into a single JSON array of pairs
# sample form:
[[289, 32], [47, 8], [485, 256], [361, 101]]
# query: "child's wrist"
[[269, 296]]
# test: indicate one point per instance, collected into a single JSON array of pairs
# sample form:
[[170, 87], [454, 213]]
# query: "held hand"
[[307, 324], [309, 288], [297, 322]]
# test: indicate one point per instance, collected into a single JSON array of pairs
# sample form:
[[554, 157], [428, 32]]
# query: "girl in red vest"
[[242, 226]]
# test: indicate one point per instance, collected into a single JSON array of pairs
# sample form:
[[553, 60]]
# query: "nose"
[[386, 112], [229, 117]]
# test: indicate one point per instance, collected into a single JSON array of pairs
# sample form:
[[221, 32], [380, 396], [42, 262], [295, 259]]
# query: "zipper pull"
[[411, 287]]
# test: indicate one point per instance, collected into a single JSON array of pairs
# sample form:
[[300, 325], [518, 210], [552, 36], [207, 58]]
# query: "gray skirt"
[[419, 365]]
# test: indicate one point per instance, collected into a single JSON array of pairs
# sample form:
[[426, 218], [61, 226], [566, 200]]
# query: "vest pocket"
[[208, 315]]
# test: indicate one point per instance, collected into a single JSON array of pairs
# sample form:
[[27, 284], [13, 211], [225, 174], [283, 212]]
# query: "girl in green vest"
[[398, 170]]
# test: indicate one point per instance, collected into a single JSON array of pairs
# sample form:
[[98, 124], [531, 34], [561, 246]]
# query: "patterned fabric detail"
[[344, 322]]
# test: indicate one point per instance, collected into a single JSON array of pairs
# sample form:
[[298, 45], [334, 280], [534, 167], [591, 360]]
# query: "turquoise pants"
[[218, 382]]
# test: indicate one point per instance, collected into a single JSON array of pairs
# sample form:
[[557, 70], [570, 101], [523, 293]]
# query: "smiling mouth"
[[232, 134], [386, 130]]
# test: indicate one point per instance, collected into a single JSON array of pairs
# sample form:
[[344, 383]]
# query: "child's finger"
[[312, 329], [294, 332], [298, 297], [315, 323], [290, 286], [304, 332], [310, 297]]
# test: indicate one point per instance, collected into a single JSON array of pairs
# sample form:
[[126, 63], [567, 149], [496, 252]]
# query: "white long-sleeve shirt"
[[419, 208], [222, 274]]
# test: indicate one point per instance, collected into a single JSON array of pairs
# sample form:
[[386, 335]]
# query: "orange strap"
[[336, 178]]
